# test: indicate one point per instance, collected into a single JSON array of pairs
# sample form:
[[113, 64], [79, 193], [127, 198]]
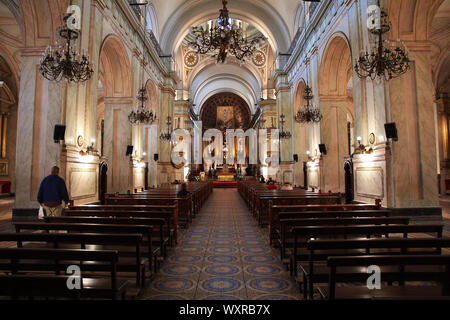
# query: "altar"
[[226, 176]]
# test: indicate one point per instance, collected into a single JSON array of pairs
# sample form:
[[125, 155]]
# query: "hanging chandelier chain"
[[384, 62], [223, 37], [309, 113], [63, 62]]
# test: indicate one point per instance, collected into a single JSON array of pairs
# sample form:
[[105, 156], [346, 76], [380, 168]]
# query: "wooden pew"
[[320, 250], [38, 285], [184, 205], [285, 239], [159, 240], [130, 261], [169, 213], [403, 261], [276, 210], [145, 231], [303, 234], [263, 203], [99, 288]]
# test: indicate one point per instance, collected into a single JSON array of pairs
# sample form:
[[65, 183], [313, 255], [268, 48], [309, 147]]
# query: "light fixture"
[[167, 135], [385, 62], [309, 113], [63, 62], [284, 134], [362, 149], [141, 115], [224, 37]]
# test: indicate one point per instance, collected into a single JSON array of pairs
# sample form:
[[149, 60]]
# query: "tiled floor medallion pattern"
[[224, 255]]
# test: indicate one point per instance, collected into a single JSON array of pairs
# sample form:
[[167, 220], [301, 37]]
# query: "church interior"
[[225, 149]]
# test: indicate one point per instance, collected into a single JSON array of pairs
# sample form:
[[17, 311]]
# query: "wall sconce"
[[362, 148], [89, 150]]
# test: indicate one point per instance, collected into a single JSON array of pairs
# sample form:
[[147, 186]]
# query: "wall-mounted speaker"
[[59, 133], [129, 150], [155, 157], [296, 157], [323, 149], [391, 131]]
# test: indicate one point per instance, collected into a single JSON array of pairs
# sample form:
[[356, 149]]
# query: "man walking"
[[52, 192]]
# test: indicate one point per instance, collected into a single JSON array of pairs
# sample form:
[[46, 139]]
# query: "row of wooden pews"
[[117, 247], [257, 197], [329, 248]]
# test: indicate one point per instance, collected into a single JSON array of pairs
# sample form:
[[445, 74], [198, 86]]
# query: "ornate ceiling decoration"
[[259, 59], [242, 115], [191, 59]]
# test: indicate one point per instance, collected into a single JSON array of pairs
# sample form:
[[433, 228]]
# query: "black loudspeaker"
[[129, 150], [155, 157], [296, 157], [323, 149], [59, 133], [391, 131]]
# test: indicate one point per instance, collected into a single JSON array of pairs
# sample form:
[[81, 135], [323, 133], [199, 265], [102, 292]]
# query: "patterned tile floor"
[[224, 255]]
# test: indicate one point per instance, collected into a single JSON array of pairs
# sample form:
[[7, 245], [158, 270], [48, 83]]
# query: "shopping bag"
[[41, 214]]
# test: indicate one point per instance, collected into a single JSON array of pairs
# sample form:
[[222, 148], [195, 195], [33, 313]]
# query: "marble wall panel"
[[369, 182], [82, 183]]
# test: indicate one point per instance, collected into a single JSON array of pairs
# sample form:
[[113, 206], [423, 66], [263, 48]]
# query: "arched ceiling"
[[213, 79], [275, 19], [241, 113], [283, 10]]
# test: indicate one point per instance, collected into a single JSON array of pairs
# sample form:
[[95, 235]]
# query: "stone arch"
[[117, 88], [152, 20], [260, 14], [411, 19], [116, 69], [299, 22], [242, 114], [336, 103], [213, 79]]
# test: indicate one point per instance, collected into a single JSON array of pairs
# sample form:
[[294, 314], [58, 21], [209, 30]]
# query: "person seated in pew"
[[261, 179], [183, 192], [287, 186], [270, 181], [52, 192]]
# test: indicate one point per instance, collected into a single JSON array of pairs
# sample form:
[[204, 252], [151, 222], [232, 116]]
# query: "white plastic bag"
[[41, 213]]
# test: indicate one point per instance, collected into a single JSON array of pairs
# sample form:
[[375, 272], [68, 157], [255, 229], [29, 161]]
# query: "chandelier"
[[141, 115], [383, 62], [224, 37], [284, 134], [64, 62], [309, 113], [167, 135]]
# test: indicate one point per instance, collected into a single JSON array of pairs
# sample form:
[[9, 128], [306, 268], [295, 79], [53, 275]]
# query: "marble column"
[[117, 138], [284, 107], [39, 111], [414, 155], [165, 169]]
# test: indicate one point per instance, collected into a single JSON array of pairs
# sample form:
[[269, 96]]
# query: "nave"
[[224, 255]]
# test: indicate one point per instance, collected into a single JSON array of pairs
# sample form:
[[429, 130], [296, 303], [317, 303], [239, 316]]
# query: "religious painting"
[[225, 118]]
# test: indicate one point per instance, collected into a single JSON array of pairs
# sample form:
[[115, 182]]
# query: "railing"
[[155, 42], [136, 6]]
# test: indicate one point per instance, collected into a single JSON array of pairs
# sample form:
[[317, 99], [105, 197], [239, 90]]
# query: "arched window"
[[151, 23]]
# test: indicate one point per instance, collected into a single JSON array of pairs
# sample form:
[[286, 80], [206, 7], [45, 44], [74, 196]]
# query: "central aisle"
[[223, 255]]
